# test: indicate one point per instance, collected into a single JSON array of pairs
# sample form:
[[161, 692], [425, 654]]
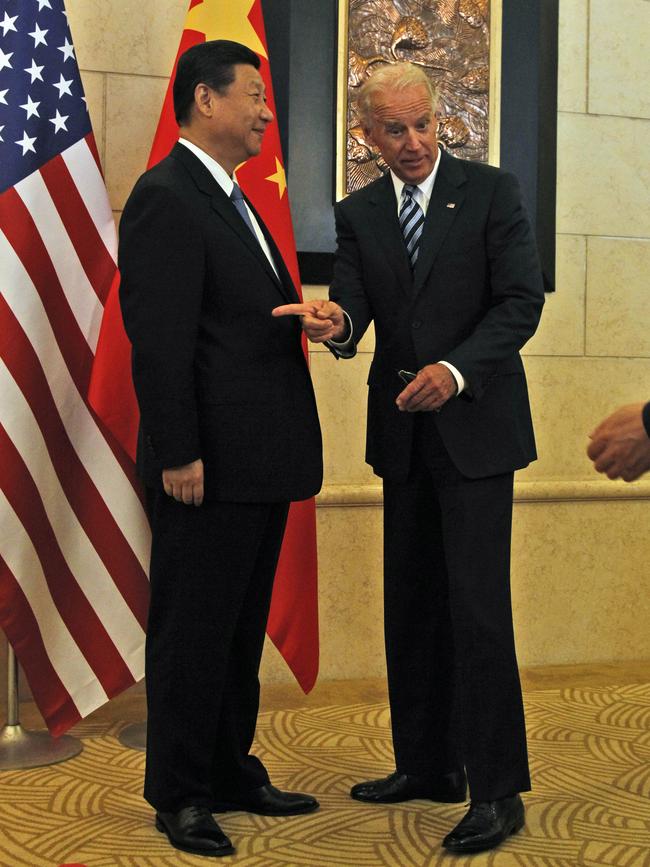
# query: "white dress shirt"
[[226, 183]]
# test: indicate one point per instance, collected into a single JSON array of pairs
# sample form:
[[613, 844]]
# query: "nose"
[[413, 140], [266, 114]]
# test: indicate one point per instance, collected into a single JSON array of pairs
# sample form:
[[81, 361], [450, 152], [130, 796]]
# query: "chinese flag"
[[293, 620]]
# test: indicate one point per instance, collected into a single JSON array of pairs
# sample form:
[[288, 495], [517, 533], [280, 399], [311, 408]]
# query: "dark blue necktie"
[[411, 219], [237, 198]]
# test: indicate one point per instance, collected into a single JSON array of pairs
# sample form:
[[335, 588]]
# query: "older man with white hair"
[[439, 253]]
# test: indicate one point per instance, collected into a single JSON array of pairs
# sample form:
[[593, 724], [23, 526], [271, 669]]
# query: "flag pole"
[[22, 749]]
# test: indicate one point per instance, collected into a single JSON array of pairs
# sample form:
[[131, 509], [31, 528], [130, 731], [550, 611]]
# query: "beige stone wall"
[[580, 546]]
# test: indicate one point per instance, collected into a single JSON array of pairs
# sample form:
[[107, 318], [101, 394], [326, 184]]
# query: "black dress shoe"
[[194, 830], [486, 825], [447, 789], [269, 801]]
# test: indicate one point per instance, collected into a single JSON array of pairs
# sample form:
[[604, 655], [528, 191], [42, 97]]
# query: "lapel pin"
[[451, 204]]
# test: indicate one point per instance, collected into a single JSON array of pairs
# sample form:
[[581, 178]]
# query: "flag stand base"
[[134, 736], [22, 749]]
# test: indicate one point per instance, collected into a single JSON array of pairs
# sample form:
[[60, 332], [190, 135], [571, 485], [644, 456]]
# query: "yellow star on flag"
[[279, 177], [225, 19]]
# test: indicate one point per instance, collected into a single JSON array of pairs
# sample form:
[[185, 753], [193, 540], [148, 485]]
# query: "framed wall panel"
[[456, 42]]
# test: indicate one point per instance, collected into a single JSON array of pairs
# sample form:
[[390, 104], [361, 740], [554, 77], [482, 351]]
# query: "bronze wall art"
[[457, 42]]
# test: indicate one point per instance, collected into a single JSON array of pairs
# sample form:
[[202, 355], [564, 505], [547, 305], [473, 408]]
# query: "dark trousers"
[[454, 689], [212, 571]]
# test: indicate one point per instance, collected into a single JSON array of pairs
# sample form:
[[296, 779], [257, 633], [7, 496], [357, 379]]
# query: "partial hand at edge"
[[321, 320], [185, 483], [429, 391], [620, 446]]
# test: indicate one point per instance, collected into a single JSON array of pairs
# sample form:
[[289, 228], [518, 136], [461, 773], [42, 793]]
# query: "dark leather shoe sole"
[[193, 850], [482, 845], [228, 806]]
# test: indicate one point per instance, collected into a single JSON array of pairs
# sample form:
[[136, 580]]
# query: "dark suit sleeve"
[[516, 292], [347, 285], [162, 262], [646, 417]]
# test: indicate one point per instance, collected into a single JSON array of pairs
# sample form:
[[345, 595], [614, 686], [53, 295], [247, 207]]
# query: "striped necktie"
[[237, 198], [411, 220]]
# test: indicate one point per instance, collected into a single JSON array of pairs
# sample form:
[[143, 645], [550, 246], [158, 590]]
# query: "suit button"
[[417, 323]]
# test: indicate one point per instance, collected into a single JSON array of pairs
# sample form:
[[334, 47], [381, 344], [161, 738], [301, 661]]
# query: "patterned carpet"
[[590, 757]]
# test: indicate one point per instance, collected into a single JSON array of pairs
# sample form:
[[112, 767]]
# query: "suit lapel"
[[386, 224], [228, 213], [446, 201]]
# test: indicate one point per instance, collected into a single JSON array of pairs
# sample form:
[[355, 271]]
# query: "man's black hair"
[[208, 63]]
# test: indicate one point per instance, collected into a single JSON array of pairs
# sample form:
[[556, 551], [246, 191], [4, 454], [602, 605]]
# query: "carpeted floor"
[[590, 760]]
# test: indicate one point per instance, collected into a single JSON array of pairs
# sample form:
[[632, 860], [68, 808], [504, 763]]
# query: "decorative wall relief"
[[452, 40]]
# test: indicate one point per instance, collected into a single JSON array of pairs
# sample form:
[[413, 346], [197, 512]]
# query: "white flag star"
[[1, 128], [35, 71], [8, 24], [42, 3], [68, 50], [5, 58], [3, 95], [59, 122], [63, 86], [38, 36], [31, 107], [27, 143]]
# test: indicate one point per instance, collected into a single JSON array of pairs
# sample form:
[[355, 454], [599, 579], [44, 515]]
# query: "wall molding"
[[542, 491]]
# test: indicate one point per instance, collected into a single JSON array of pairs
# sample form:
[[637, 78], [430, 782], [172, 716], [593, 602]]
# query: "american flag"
[[74, 541]]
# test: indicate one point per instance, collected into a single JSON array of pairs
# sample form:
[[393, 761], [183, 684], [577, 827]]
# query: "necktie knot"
[[236, 194], [409, 190]]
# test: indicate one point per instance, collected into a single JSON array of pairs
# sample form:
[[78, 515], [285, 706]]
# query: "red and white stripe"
[[74, 540]]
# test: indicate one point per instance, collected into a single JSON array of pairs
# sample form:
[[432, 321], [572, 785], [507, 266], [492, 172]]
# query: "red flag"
[[293, 620], [74, 540]]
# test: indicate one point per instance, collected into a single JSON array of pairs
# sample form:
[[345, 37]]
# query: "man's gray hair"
[[392, 77]]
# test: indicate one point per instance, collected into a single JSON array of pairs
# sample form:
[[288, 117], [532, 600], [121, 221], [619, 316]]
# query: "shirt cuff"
[[458, 376], [345, 346]]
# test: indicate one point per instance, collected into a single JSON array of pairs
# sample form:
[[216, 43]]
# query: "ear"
[[203, 99], [368, 136]]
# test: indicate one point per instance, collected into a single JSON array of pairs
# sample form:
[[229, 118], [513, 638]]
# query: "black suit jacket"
[[216, 376], [474, 299]]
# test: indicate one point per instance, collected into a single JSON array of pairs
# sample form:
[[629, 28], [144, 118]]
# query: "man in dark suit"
[[620, 445], [440, 255], [229, 436]]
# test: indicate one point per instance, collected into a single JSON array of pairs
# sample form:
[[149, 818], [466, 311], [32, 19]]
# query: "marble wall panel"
[[603, 176], [350, 595], [619, 59], [561, 330], [122, 36], [94, 84], [572, 56], [569, 396], [341, 394], [580, 581], [617, 297], [133, 105]]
